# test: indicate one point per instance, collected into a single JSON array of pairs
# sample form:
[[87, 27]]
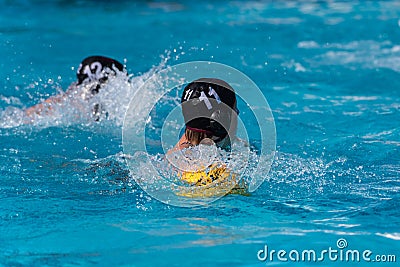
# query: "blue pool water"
[[329, 69]]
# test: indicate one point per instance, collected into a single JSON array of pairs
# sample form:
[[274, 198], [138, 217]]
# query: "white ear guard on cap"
[[221, 122]]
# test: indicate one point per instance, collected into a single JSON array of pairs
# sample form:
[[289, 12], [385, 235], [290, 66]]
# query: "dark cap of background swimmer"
[[208, 105], [93, 69]]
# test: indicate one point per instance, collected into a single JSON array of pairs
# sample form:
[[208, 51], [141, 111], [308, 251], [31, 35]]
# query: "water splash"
[[73, 107]]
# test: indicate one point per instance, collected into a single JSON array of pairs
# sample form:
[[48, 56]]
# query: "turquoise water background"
[[330, 71]]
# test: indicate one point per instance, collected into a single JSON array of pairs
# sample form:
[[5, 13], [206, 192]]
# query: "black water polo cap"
[[208, 105], [94, 68]]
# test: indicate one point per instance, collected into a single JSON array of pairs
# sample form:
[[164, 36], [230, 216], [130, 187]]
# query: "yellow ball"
[[206, 176], [211, 182]]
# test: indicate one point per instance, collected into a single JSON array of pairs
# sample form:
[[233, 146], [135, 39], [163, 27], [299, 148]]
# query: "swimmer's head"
[[209, 109], [97, 69]]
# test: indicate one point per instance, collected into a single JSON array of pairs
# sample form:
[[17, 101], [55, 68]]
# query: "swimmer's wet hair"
[[195, 137]]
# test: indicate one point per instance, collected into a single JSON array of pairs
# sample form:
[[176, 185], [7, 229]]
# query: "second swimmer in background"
[[92, 74]]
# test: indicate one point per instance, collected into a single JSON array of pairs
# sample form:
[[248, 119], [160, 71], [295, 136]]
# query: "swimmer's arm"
[[46, 105]]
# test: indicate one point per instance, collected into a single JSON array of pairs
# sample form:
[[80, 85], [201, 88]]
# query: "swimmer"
[[209, 108], [210, 112], [92, 74]]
